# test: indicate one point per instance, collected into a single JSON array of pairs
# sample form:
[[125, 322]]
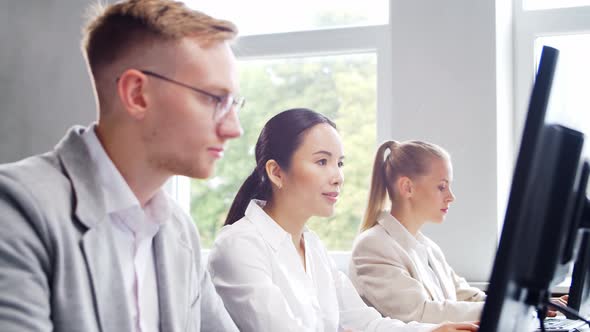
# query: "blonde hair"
[[115, 29], [410, 158]]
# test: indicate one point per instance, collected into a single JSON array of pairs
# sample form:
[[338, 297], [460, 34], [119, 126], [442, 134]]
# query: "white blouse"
[[259, 275]]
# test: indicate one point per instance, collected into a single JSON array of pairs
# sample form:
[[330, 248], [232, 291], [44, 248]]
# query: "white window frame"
[[378, 39], [337, 41], [530, 24]]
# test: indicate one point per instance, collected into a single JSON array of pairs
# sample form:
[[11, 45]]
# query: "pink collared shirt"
[[133, 229]]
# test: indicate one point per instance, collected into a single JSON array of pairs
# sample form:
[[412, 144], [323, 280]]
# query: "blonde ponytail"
[[378, 190]]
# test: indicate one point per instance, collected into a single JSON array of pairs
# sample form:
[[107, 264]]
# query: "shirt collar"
[[118, 196], [158, 208], [270, 230], [146, 222]]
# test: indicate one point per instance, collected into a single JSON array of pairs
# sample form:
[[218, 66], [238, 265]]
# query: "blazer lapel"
[[98, 247], [448, 289], [408, 242], [80, 169], [422, 276], [176, 282], [106, 279]]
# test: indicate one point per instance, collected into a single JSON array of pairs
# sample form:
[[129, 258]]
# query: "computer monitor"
[[579, 292], [538, 216]]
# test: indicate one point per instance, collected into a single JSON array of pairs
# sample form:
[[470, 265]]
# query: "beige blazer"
[[390, 270]]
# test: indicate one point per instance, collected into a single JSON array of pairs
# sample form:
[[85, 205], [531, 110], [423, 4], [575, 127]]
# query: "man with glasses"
[[89, 240]]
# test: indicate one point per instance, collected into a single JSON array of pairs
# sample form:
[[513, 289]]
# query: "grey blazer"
[[58, 266]]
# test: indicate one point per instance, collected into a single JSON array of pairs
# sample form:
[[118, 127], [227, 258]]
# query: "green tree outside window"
[[342, 87]]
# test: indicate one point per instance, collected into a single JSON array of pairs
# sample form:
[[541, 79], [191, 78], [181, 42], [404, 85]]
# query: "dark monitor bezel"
[[579, 292], [502, 273]]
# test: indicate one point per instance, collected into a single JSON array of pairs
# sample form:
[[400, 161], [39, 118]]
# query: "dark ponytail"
[[278, 140], [255, 187]]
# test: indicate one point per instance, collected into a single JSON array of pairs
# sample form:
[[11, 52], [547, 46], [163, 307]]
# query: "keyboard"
[[555, 324]]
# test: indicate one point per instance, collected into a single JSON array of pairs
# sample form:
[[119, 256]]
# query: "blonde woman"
[[394, 267]]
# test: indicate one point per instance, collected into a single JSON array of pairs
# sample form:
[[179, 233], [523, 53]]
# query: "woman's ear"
[[274, 173], [405, 187]]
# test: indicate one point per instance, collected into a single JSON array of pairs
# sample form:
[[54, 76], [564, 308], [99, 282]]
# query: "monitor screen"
[[579, 292], [539, 214]]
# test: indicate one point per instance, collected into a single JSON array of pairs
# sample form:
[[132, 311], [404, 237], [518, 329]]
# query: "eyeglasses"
[[223, 104]]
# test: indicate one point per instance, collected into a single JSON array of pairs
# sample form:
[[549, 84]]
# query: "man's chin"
[[204, 174], [201, 173]]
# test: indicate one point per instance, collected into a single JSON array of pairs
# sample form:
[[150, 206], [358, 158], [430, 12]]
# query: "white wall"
[[444, 91]]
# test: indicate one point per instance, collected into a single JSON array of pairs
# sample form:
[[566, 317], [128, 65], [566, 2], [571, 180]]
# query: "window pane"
[[270, 16], [550, 4], [341, 87], [570, 97]]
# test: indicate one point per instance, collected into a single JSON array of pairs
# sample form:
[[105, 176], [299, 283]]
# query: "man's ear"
[[405, 187], [274, 173], [131, 88]]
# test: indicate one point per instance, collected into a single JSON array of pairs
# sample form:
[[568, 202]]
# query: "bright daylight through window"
[[570, 100], [270, 16], [552, 4], [341, 87], [320, 73]]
